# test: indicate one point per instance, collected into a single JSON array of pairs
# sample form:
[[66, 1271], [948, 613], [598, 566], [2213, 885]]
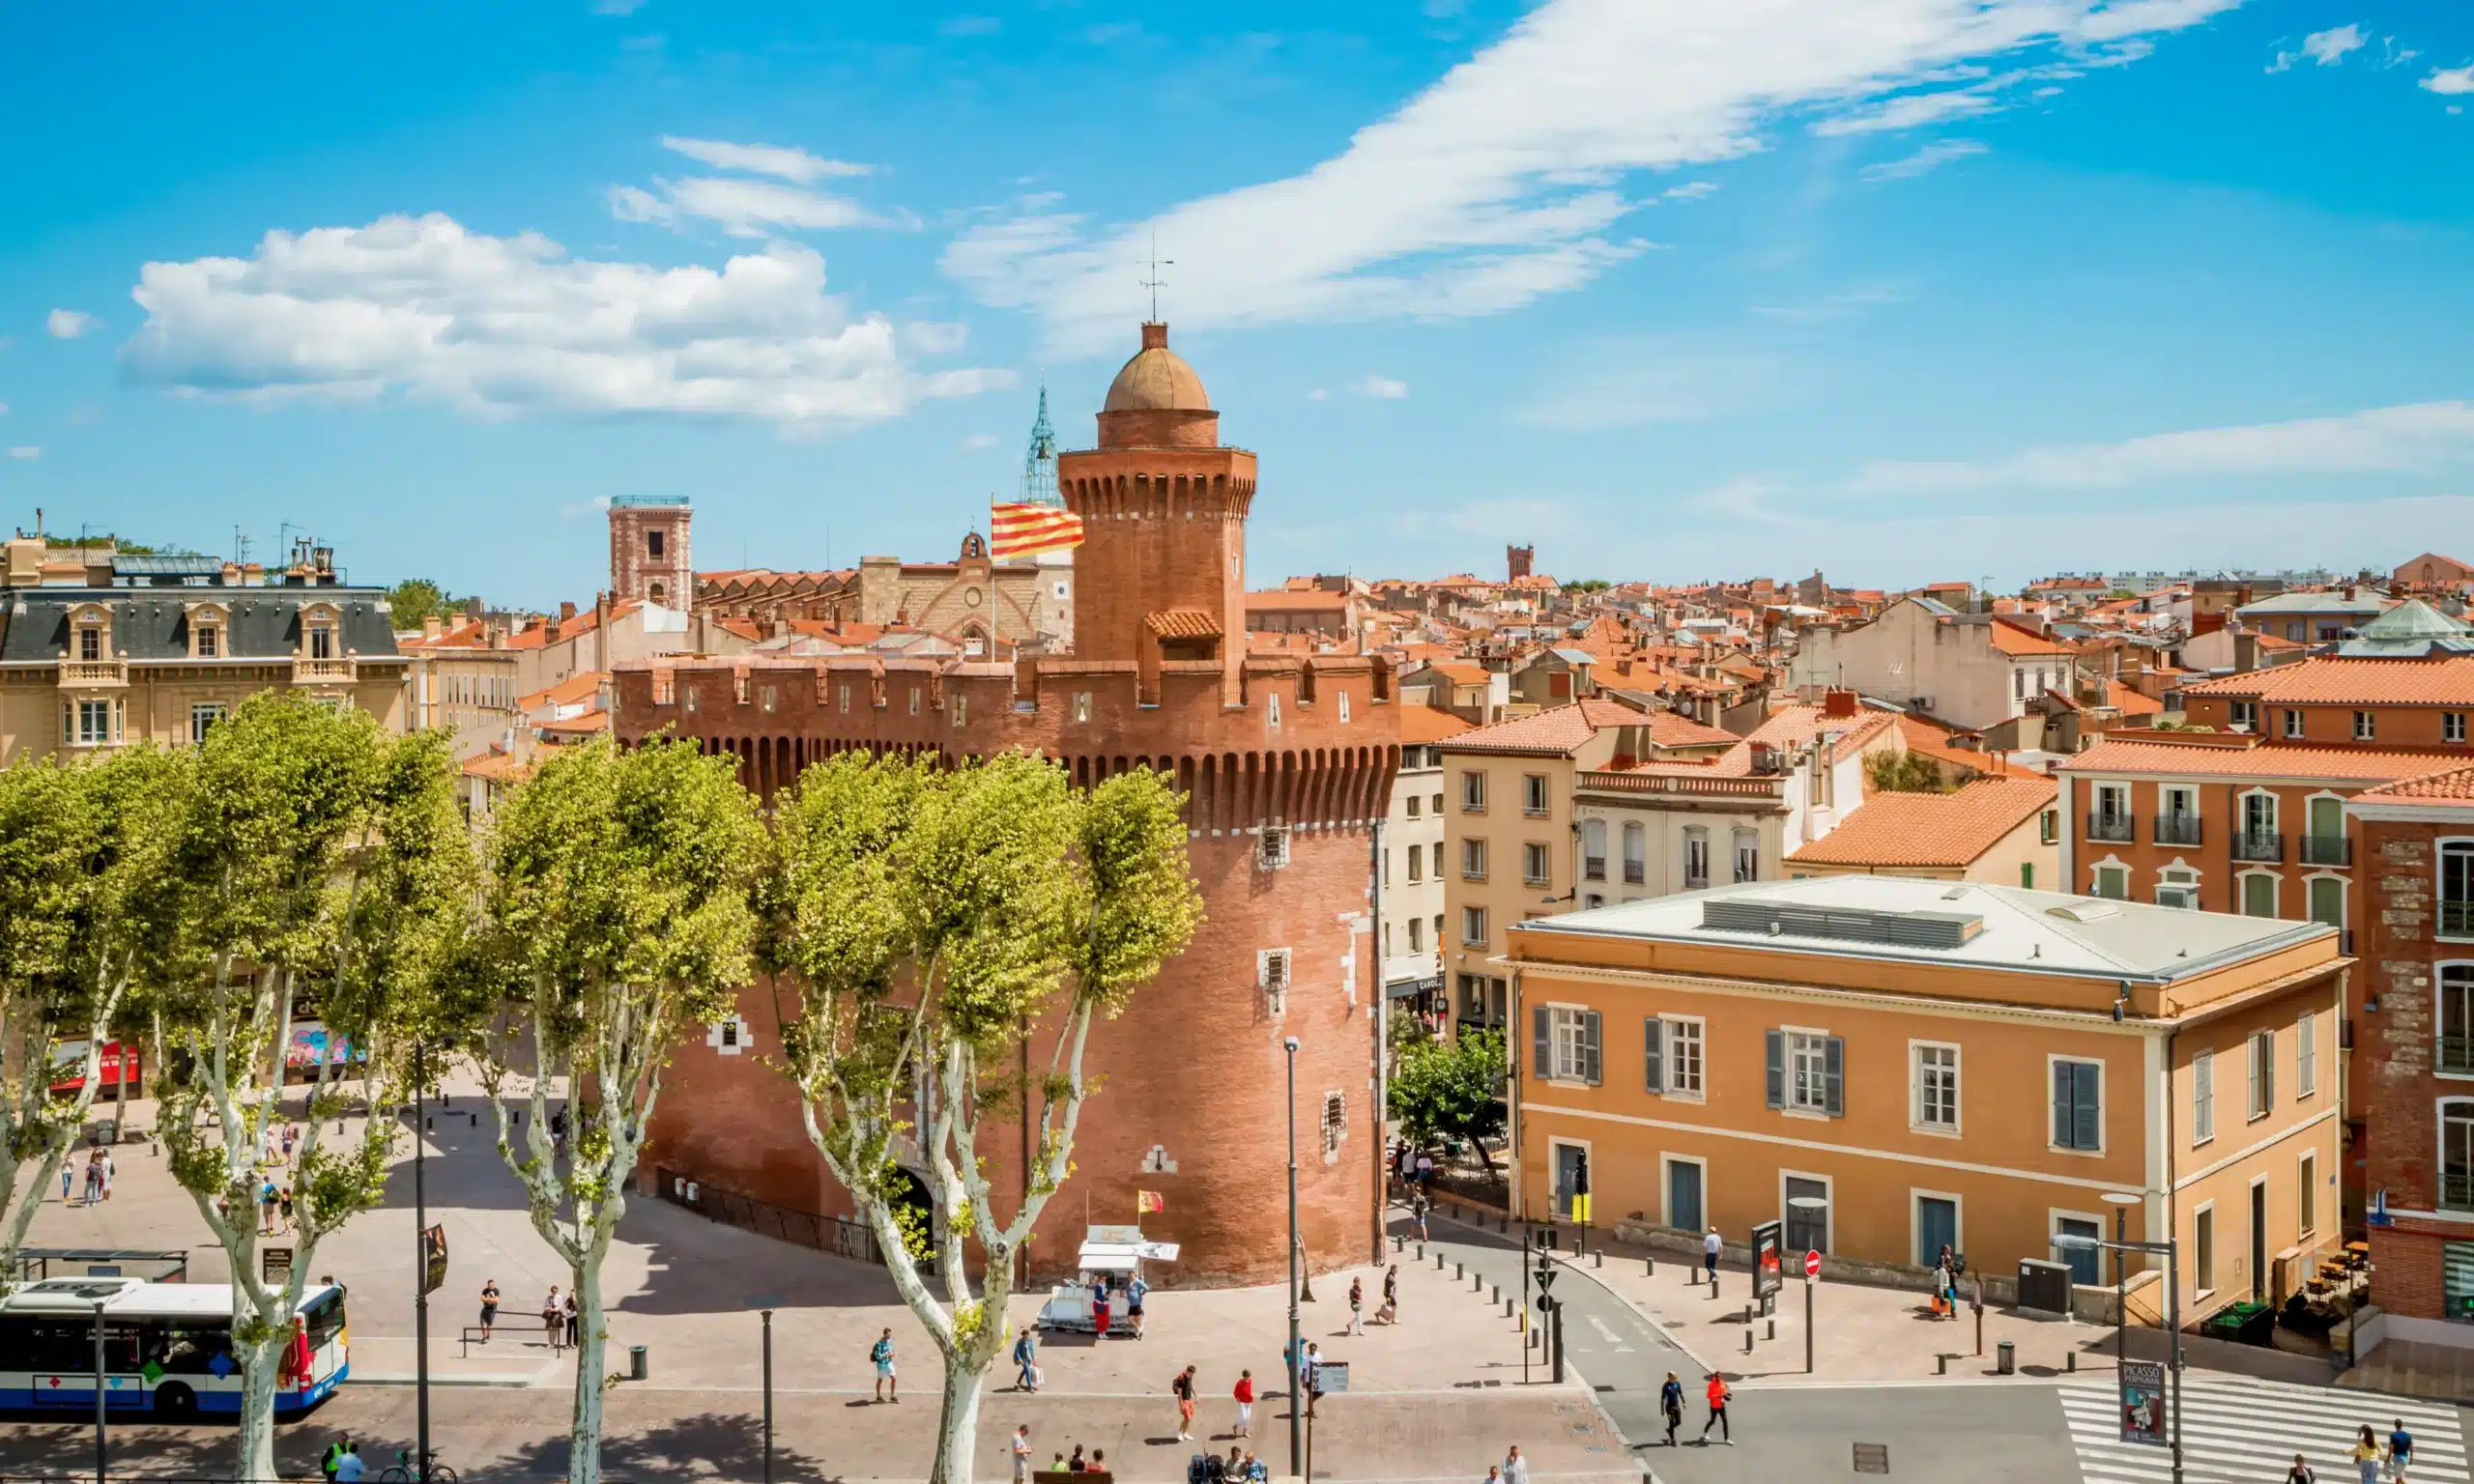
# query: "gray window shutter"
[[1833, 1075], [2268, 1075], [1778, 1046], [2062, 1120], [1654, 1054], [1589, 1047], [2084, 1110], [1543, 1033]]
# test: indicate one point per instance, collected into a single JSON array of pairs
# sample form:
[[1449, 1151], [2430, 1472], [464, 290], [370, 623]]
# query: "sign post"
[[1769, 1245], [2143, 1401], [1812, 1281]]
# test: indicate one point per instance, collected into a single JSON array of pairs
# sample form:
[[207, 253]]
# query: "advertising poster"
[[1768, 1247], [2143, 1402]]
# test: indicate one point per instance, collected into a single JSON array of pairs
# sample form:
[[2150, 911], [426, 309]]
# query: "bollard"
[[1507, 1308], [1597, 1259], [1498, 1294], [1477, 1282], [2006, 1357], [1649, 1266], [1942, 1365], [2070, 1362], [1457, 1271], [1503, 1223], [1774, 1329], [1747, 1339]]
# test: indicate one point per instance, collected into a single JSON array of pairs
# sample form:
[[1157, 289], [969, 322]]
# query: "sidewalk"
[[1861, 1334]]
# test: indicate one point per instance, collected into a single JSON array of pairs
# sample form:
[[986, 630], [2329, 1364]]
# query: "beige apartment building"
[[107, 650], [1514, 842]]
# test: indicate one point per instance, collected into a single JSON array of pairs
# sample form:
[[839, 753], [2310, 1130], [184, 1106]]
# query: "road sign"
[[1812, 1265], [1768, 1242], [274, 1265], [1331, 1376]]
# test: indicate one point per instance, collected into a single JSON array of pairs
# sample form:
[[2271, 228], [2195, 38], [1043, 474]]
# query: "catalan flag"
[[1148, 1200], [1027, 530]]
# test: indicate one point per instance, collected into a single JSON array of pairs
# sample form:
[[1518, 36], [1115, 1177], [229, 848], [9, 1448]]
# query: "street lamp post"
[[2121, 1201], [1808, 1205], [420, 1265], [1296, 1346], [2173, 1254], [99, 1368]]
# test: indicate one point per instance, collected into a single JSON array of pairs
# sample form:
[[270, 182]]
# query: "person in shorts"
[[881, 1352], [489, 1308], [1183, 1387]]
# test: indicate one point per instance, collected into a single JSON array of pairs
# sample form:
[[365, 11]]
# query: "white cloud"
[[1318, 394], [25, 451], [1920, 108], [2415, 438], [2450, 81], [1930, 157], [2325, 47], [1461, 202], [1689, 190], [974, 441], [1380, 387], [69, 323], [505, 326], [775, 159], [745, 208]]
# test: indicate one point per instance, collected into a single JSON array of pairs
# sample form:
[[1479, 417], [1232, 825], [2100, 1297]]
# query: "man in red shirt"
[[1245, 1395], [1717, 1410]]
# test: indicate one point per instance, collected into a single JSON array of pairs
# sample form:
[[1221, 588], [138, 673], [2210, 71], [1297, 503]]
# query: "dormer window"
[[90, 644], [210, 640], [322, 642]]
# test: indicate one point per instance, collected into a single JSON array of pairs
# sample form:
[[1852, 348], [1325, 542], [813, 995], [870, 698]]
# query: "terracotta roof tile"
[[2333, 680], [2146, 757], [2010, 639], [2451, 786], [1182, 623], [1421, 725], [1931, 829], [1557, 730], [2129, 702]]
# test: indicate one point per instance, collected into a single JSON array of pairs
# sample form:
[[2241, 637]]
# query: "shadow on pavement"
[[727, 1445]]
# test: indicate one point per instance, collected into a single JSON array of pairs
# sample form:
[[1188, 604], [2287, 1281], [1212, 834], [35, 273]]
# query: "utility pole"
[[420, 1261], [1296, 1345]]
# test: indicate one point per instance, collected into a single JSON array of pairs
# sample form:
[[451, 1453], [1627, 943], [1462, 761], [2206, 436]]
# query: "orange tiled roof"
[[576, 687], [1461, 672], [2448, 683], [497, 766], [1182, 623], [1557, 730], [1286, 601], [2452, 787], [1791, 726], [537, 635], [1931, 829], [2146, 757], [2010, 639], [2129, 702], [1421, 725], [1667, 728]]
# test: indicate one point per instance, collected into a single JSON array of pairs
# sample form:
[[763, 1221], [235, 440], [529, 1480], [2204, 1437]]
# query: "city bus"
[[167, 1349]]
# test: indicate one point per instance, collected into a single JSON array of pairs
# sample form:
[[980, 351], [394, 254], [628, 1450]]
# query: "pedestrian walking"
[[349, 1468], [334, 1451], [554, 1320], [1357, 1306], [1718, 1417], [1134, 1289], [110, 1169], [267, 1197], [2400, 1452], [2366, 1457], [1245, 1395], [2300, 1472], [1027, 1362], [1419, 1205], [1021, 1453], [1426, 1170], [1183, 1387], [1710, 1247], [68, 1174], [1671, 1401], [570, 1313], [882, 1354], [282, 1204], [489, 1308], [1943, 1307], [1515, 1466], [1390, 1313]]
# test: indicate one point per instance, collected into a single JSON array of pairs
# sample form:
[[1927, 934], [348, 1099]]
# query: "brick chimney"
[[432, 627], [566, 612], [1838, 703]]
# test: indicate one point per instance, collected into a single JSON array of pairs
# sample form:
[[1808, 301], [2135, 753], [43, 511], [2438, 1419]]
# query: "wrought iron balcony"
[[2457, 919], [2456, 1053], [2258, 845], [2112, 827], [1593, 867], [2327, 850], [2177, 829], [2457, 1190], [1693, 883], [1636, 872]]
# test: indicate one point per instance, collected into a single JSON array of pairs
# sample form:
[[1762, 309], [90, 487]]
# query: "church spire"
[[1039, 463]]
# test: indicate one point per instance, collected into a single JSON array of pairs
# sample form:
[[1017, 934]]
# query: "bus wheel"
[[173, 1402]]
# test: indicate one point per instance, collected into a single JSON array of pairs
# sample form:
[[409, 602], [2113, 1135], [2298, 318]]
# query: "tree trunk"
[[584, 1434], [958, 1416], [259, 1365]]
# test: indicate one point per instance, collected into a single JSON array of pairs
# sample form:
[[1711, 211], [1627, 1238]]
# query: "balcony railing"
[[2114, 827], [2327, 850], [1694, 883], [2457, 1190], [2258, 845], [1636, 872], [94, 673], [2456, 1054], [1593, 867], [2457, 919], [2177, 829], [320, 671]]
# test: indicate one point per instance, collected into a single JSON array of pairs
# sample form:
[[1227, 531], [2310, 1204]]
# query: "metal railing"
[[2327, 850], [1694, 883], [1593, 867], [2457, 1190], [2110, 827], [2456, 919], [2177, 829], [838, 1235], [1636, 872], [2258, 845]]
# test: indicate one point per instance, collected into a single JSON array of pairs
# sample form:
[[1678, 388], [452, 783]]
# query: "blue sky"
[[1904, 289]]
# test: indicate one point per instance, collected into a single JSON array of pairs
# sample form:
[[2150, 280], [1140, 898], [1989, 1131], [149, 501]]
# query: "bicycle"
[[404, 1471]]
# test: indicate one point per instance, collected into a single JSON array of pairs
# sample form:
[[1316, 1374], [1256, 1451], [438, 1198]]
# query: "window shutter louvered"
[[1541, 1027], [1589, 1047], [1834, 1076], [1778, 1050], [2062, 1121], [2085, 1111], [1654, 1054]]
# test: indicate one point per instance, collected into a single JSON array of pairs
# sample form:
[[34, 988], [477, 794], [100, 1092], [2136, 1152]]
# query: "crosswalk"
[[2247, 1432]]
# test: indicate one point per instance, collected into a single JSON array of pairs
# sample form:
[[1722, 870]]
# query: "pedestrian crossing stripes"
[[2246, 1431]]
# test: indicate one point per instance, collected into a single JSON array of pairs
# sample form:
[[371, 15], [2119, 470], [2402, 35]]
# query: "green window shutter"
[[1543, 1037], [1654, 1054], [1834, 1075], [1777, 1081]]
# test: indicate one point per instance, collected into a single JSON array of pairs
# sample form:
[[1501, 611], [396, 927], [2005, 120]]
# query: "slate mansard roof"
[[152, 623]]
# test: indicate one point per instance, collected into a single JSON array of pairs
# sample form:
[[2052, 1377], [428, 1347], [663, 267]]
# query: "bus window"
[[185, 1348], [326, 1319]]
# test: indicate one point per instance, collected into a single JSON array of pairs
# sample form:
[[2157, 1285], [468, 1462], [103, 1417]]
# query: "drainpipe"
[[1517, 1198]]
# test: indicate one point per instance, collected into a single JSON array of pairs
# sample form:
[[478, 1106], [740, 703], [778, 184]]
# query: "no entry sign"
[[1812, 1265]]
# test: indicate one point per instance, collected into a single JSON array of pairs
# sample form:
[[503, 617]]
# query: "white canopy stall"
[[1116, 1252]]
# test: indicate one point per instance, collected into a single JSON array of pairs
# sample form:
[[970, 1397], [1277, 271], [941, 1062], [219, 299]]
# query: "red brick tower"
[[648, 555], [1286, 761]]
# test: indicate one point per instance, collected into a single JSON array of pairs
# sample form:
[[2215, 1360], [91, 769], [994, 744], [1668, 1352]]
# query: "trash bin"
[[2005, 1358], [637, 1369]]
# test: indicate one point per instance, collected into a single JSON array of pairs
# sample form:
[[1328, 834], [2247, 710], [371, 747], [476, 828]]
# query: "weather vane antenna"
[[1155, 280]]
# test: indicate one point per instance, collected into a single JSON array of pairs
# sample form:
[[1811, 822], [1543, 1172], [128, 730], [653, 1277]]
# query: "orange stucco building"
[[1938, 1063]]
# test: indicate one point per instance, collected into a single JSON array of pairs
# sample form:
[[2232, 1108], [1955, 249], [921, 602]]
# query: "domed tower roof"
[[1157, 400]]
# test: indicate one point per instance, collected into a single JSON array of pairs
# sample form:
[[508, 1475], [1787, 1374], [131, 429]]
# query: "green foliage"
[[1902, 773], [416, 600], [1589, 584], [1451, 1088]]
